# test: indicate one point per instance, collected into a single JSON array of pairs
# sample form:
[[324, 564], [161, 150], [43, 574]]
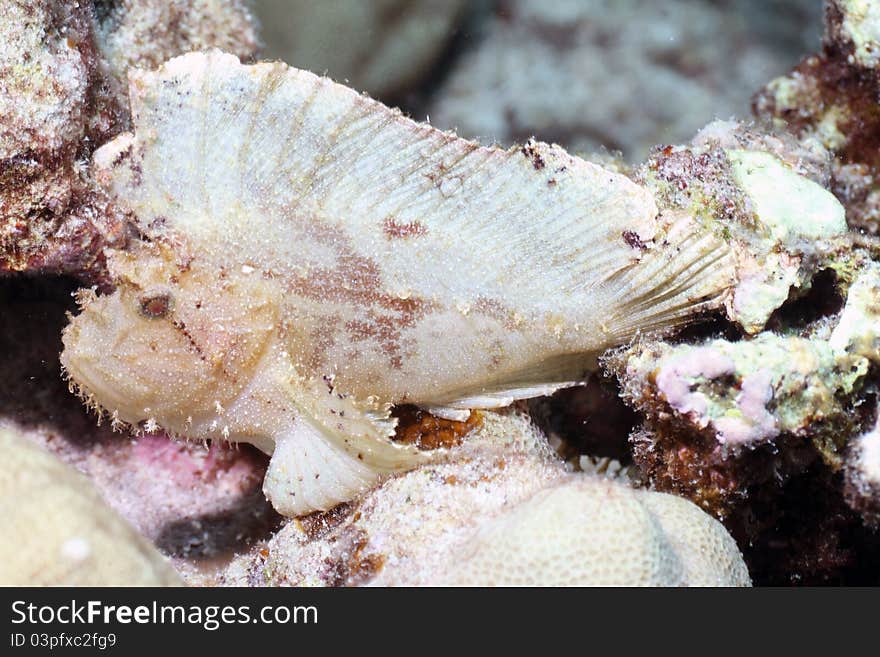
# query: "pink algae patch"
[[191, 463]]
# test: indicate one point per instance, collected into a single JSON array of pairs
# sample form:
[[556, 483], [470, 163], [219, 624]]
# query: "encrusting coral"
[[58, 531], [730, 397], [778, 396], [501, 511], [764, 195], [808, 379], [725, 415]]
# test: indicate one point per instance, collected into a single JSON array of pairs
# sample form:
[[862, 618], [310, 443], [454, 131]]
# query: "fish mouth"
[[83, 364]]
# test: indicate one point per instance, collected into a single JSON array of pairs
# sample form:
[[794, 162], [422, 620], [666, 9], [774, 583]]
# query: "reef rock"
[[831, 98], [728, 400], [62, 66], [765, 195]]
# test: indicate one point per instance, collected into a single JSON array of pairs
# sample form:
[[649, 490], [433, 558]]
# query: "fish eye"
[[154, 306]]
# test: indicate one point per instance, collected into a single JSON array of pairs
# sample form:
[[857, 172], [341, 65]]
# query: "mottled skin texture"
[[192, 502], [311, 257], [167, 343]]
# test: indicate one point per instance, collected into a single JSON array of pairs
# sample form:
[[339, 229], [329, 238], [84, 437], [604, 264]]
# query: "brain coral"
[[502, 510], [58, 531], [591, 531]]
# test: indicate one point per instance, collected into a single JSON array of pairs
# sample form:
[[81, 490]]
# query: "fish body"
[[311, 257]]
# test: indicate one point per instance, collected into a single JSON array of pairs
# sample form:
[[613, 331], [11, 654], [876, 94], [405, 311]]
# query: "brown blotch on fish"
[[632, 238], [395, 230], [418, 427], [497, 311], [530, 151]]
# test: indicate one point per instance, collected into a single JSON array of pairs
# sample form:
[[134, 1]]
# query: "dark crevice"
[[590, 420], [823, 299]]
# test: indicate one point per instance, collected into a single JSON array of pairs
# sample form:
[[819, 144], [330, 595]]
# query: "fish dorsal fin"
[[288, 167]]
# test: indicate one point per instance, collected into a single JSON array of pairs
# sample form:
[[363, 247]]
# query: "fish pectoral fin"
[[336, 448]]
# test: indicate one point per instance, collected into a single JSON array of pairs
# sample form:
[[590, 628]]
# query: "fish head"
[[173, 344]]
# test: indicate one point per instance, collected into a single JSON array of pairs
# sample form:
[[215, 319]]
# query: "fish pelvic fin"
[[336, 448]]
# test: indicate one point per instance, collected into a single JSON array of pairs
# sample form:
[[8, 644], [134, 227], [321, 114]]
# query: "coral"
[[571, 71], [62, 70], [830, 98], [335, 306], [725, 388], [412, 520], [765, 196], [389, 45], [592, 531], [57, 530], [501, 510], [723, 398]]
